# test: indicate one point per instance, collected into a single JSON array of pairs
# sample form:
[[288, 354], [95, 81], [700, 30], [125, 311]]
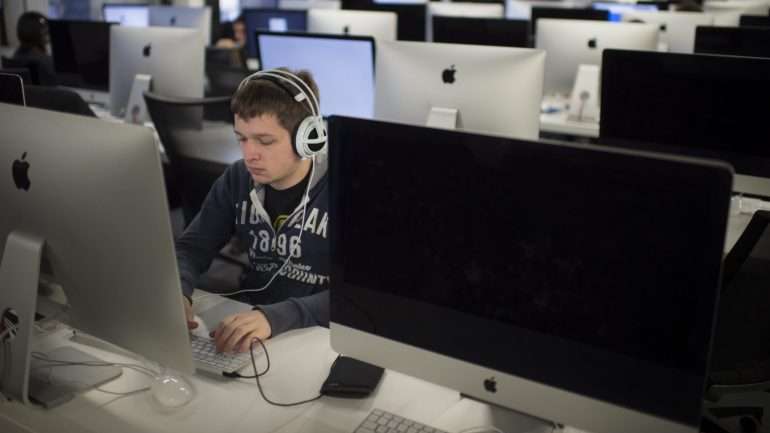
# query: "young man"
[[259, 199]]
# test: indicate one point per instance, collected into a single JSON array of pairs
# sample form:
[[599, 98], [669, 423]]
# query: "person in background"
[[32, 31], [233, 36]]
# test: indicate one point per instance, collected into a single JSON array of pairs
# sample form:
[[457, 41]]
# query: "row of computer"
[[573, 283], [81, 52]]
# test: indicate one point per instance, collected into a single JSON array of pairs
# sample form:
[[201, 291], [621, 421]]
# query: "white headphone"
[[310, 136]]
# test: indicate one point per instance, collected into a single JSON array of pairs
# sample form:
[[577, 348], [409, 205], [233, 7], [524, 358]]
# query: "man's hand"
[[188, 312], [235, 333]]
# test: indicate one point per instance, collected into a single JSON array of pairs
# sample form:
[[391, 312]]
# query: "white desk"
[[554, 119], [558, 123], [300, 363]]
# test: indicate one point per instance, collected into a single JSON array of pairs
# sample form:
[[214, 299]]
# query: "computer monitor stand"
[[136, 109], [446, 118], [584, 102], [23, 378], [19, 276]]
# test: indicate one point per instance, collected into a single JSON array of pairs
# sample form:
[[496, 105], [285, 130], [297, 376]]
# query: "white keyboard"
[[208, 359], [380, 421]]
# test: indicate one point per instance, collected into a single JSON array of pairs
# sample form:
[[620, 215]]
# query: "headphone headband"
[[304, 145]]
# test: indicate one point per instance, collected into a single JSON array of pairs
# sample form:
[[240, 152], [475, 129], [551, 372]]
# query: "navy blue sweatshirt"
[[299, 296]]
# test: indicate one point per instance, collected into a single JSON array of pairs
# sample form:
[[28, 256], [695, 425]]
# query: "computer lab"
[[385, 216]]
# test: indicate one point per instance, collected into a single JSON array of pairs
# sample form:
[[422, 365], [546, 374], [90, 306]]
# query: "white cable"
[[40, 356], [482, 429], [306, 200]]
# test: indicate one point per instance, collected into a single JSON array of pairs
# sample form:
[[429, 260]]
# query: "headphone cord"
[[305, 201], [257, 375]]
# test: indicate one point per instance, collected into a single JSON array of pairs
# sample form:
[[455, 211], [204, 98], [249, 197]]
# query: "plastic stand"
[[136, 109], [19, 276], [446, 118], [584, 102]]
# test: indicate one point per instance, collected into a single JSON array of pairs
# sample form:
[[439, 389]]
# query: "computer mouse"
[[171, 391]]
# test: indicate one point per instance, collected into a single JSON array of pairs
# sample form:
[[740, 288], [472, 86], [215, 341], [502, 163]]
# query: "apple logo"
[[172, 21], [147, 50], [448, 75], [592, 43], [346, 30], [490, 384], [20, 176]]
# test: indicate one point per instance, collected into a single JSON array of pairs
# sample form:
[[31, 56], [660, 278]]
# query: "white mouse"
[[171, 391]]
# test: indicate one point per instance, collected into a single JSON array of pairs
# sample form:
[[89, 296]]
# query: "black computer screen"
[[11, 89], [275, 20], [755, 21], [481, 31], [567, 14], [411, 18], [81, 53], [735, 41], [590, 270], [691, 104]]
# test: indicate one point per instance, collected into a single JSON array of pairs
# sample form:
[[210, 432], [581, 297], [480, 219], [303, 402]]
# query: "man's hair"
[[262, 96], [32, 30]]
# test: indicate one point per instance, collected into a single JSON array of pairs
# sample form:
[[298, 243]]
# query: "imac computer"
[[571, 43], [81, 53], [754, 21], [309, 4], [691, 104], [181, 16], [158, 52], [411, 17], [619, 10], [126, 14], [273, 20], [89, 195], [481, 31], [346, 84], [582, 14], [461, 9], [476, 88], [676, 29], [734, 41], [379, 25], [504, 255], [728, 12]]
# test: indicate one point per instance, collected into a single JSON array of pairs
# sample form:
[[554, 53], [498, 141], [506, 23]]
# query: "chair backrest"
[[31, 67], [57, 99], [224, 80], [22, 72], [186, 124]]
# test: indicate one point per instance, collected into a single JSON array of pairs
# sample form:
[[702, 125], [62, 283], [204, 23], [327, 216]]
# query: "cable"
[[62, 363], [482, 429], [305, 201], [257, 375]]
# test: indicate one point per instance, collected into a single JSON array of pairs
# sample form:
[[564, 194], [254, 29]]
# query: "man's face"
[[239, 32], [267, 151]]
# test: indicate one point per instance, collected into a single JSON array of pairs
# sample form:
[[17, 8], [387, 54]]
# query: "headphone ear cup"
[[310, 137]]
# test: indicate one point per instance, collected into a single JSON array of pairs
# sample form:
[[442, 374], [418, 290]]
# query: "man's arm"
[[209, 231], [236, 332]]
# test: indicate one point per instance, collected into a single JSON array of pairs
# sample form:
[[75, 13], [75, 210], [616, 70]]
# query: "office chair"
[[32, 66], [225, 68], [26, 78], [184, 124], [740, 358], [188, 124], [57, 99]]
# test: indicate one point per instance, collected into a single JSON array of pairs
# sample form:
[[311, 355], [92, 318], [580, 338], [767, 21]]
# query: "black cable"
[[257, 374]]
